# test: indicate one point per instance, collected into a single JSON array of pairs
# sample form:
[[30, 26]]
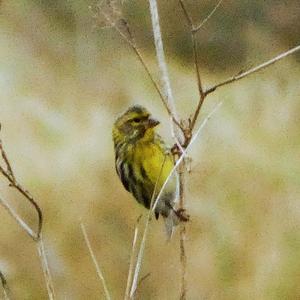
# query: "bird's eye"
[[137, 120]]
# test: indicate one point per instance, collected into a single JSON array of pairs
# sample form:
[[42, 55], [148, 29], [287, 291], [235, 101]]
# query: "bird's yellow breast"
[[154, 160]]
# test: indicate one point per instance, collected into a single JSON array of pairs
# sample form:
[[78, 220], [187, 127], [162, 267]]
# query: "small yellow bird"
[[143, 163]]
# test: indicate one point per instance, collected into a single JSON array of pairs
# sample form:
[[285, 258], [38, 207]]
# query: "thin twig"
[[92, 254], [4, 156], [196, 29], [130, 40], [195, 47], [45, 267], [132, 260], [18, 219], [197, 67], [6, 290], [253, 70]]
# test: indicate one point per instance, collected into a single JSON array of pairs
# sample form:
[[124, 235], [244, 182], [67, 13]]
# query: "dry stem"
[[46, 269], [98, 269], [132, 260], [8, 173], [183, 258]]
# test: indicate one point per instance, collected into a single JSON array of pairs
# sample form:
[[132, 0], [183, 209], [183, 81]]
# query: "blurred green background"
[[63, 81]]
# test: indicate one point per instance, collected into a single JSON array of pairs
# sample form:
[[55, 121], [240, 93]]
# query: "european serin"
[[143, 163]]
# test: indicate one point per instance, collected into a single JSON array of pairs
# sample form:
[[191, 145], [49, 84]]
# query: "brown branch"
[[31, 200], [9, 175], [195, 47], [252, 70], [197, 68], [183, 258]]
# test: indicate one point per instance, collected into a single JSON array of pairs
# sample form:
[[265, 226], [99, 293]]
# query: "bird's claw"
[[182, 215]]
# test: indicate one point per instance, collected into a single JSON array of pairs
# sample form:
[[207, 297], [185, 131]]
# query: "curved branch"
[[13, 183]]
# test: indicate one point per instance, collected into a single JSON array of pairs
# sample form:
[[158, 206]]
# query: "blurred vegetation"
[[63, 81]]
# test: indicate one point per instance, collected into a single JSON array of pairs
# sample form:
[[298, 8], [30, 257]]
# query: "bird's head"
[[136, 123]]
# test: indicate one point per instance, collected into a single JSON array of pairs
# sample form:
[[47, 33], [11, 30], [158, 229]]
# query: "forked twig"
[[98, 269]]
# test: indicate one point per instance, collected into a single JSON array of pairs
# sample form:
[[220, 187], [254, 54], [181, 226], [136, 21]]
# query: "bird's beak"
[[152, 122]]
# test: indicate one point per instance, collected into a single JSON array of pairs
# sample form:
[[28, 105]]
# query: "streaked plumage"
[[142, 160]]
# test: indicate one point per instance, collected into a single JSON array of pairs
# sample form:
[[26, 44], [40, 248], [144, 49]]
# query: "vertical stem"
[[183, 259], [45, 267]]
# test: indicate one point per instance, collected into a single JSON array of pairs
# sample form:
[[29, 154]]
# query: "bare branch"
[[6, 290], [196, 29], [45, 267], [18, 219], [197, 68], [253, 70], [9, 175], [36, 236], [92, 254]]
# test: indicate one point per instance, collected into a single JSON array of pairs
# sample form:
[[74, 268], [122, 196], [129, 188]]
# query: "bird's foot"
[[182, 215]]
